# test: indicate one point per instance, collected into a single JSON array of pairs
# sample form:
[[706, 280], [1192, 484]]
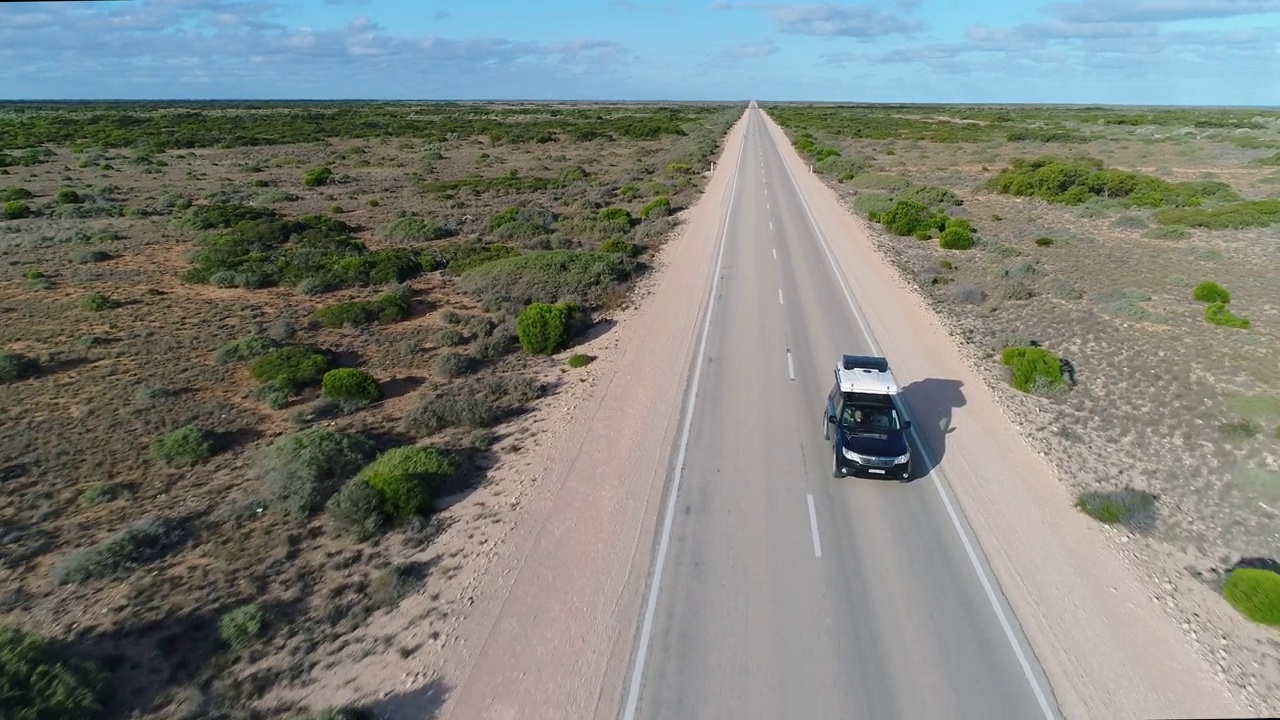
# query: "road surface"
[[782, 592]]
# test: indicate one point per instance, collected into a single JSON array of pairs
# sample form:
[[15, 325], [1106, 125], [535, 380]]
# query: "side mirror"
[[831, 418], [906, 425]]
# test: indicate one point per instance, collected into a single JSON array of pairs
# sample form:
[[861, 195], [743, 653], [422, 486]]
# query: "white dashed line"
[[775, 253], [791, 367], [813, 527], [780, 296]]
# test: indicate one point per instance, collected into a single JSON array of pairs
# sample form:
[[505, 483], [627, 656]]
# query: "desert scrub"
[[956, 237], [452, 365], [96, 302], [92, 256], [185, 447], [622, 247], [450, 337], [1031, 366], [1168, 232], [16, 210], [1255, 592], [1045, 242], [1132, 508], [908, 217], [318, 176], [1250, 213], [241, 627], [247, 348], [137, 544], [407, 478], [587, 278], [292, 368], [1074, 181], [16, 366], [1219, 314], [41, 679], [1211, 292], [968, 295], [544, 329], [476, 404], [580, 360], [350, 388], [657, 207], [13, 192], [385, 309], [301, 471], [413, 229], [68, 197], [357, 511]]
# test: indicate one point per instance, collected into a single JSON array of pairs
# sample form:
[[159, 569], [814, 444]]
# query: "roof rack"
[[865, 374]]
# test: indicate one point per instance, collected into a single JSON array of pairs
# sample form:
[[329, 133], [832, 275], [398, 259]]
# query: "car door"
[[833, 408]]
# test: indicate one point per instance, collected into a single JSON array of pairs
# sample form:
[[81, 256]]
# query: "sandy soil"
[[555, 594], [1104, 643]]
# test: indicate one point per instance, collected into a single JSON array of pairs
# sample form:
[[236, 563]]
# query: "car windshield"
[[869, 419]]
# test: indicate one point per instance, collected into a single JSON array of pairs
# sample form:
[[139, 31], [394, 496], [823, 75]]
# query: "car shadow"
[[421, 703], [930, 404]]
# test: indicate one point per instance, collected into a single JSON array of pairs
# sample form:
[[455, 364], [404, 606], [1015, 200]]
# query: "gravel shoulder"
[[539, 624], [1107, 648]]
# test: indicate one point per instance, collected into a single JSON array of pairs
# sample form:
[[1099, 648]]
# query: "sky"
[[1168, 52]]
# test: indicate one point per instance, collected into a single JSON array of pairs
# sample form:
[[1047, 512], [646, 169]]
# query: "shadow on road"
[[422, 703], [930, 403]]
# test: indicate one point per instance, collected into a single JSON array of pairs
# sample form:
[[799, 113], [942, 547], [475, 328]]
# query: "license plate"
[[874, 470]]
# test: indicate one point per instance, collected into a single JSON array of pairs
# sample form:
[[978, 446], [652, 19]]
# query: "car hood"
[[891, 444]]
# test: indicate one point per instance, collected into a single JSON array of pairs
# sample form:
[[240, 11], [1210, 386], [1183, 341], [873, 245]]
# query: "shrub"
[[1132, 508], [907, 217], [880, 181], [544, 329], [68, 197], [411, 229], [930, 196], [14, 192], [96, 302], [657, 207], [1044, 241], [869, 204], [587, 278], [357, 510], [92, 256], [1246, 214], [384, 309], [450, 337], [968, 295], [291, 368], [16, 210], [579, 360], [1032, 364], [245, 349], [240, 627], [1211, 292], [956, 238], [1016, 290], [407, 479], [454, 365], [1255, 592], [185, 447], [622, 247], [318, 176], [472, 255], [350, 387], [1218, 314], [41, 679], [16, 366], [1073, 181], [1169, 232], [136, 544], [452, 408]]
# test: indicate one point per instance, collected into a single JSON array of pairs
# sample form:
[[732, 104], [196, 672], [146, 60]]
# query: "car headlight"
[[902, 458], [855, 456]]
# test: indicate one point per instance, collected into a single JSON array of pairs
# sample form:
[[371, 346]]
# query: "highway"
[[778, 590]]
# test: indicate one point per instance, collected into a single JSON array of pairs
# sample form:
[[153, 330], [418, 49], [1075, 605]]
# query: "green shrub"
[[16, 366], [408, 478], [930, 196], [13, 192], [96, 302], [1044, 241], [544, 329], [588, 278], [1211, 292], [1218, 314], [292, 368], [385, 309], [1255, 592], [1168, 232], [657, 207], [16, 210], [357, 510], [35, 275], [450, 337], [1246, 214], [475, 404], [503, 217], [41, 679], [318, 176], [245, 349], [454, 365], [872, 203], [136, 544], [884, 182], [411, 229], [239, 628], [907, 217], [1128, 507], [580, 360], [468, 256], [184, 447], [622, 247], [1073, 181], [956, 238], [68, 197], [350, 387], [1032, 364]]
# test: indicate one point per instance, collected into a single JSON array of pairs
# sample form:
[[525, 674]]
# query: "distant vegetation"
[[1072, 181]]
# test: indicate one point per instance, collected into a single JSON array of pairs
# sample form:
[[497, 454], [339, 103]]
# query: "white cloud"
[[1101, 11], [829, 20]]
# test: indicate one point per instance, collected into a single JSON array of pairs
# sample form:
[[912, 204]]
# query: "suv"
[[869, 436]]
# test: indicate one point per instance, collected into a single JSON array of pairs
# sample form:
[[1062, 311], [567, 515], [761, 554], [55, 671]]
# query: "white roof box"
[[866, 374]]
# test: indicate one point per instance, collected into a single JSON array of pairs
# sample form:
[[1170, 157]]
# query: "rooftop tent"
[[865, 374]]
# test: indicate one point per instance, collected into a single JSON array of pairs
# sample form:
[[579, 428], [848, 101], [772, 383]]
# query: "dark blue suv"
[[868, 434]]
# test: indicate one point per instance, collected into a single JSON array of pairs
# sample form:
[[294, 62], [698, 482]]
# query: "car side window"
[[833, 398]]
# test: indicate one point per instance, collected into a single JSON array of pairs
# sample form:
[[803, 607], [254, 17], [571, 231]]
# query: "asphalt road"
[[783, 592]]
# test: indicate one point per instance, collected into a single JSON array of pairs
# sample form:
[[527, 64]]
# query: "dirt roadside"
[[541, 625], [1107, 650]]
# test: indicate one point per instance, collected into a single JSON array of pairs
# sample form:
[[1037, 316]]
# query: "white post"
[[713, 166]]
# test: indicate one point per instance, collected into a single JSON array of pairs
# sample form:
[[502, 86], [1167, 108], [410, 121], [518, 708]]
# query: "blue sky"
[[1218, 52]]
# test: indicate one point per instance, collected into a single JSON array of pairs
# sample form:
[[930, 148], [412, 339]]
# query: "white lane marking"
[[987, 585], [791, 366], [775, 253], [766, 206], [651, 602], [813, 527], [780, 296]]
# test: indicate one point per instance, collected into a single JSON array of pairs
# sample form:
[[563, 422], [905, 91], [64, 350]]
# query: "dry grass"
[[75, 438]]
